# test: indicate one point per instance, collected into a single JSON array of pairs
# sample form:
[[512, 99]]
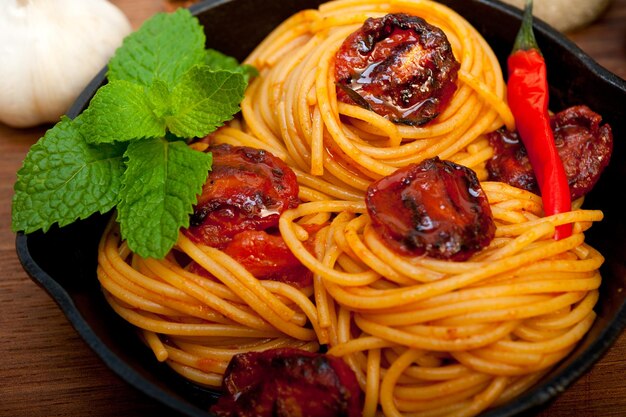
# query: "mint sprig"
[[128, 149]]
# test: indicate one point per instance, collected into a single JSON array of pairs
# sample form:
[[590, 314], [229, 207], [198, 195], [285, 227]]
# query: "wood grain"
[[47, 370]]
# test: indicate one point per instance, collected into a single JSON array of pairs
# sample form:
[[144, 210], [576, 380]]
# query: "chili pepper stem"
[[525, 39]]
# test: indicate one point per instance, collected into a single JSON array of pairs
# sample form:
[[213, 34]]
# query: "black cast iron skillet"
[[63, 261]]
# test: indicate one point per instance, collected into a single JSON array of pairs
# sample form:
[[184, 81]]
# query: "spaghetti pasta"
[[425, 337]]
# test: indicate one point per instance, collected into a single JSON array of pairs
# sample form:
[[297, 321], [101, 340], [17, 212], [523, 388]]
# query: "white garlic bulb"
[[49, 51], [565, 15]]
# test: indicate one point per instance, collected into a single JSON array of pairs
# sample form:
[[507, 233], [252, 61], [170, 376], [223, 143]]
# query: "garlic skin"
[[565, 15], [50, 51]]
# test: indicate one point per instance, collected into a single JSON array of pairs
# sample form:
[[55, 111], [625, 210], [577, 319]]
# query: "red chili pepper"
[[527, 90]]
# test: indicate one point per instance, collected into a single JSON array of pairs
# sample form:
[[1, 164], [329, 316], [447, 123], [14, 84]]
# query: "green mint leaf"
[[166, 46], [121, 111], [203, 100], [218, 61], [63, 179], [160, 186], [159, 97]]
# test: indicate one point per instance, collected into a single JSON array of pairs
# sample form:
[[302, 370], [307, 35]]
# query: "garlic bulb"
[[50, 50], [565, 15]]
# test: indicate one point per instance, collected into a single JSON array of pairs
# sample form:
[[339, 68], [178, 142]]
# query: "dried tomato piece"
[[399, 66], [267, 257], [510, 163], [288, 382], [247, 189], [435, 207], [584, 145]]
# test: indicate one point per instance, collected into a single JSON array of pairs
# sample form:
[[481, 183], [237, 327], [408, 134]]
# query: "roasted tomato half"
[[267, 257], [247, 189], [286, 383], [435, 207], [583, 143], [399, 66]]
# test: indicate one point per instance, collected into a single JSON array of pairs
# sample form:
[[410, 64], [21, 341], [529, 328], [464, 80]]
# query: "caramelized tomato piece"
[[399, 66], [510, 163], [584, 145], [435, 207], [287, 383], [267, 257], [247, 189]]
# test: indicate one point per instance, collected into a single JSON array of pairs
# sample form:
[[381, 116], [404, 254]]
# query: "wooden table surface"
[[47, 370]]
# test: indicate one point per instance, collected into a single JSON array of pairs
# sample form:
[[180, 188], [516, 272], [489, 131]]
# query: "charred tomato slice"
[[436, 208], [399, 66], [247, 189]]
